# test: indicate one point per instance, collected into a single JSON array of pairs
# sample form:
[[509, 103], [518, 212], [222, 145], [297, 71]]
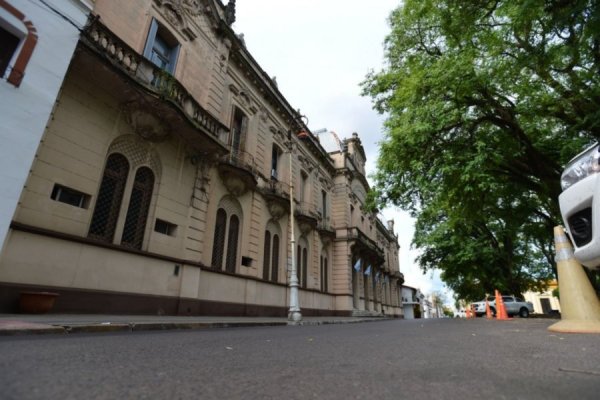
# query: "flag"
[[368, 270], [377, 276], [357, 265]]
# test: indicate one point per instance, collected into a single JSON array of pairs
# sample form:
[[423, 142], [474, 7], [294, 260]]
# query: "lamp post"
[[294, 313]]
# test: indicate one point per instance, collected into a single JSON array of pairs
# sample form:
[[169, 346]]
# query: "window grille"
[[275, 262], [299, 264], [137, 212], [232, 243], [219, 239], [109, 199], [304, 268], [267, 255], [324, 274]]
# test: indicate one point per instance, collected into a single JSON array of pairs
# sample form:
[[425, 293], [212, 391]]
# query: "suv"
[[579, 207], [513, 305]]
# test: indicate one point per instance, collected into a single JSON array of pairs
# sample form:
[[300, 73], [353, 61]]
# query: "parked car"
[[513, 305], [580, 205]]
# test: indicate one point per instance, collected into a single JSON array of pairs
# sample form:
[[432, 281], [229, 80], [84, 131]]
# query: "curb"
[[23, 328]]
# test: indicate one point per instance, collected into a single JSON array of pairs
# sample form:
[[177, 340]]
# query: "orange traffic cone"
[[488, 310], [501, 314]]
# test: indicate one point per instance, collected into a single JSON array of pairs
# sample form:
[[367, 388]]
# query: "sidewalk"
[[22, 324]]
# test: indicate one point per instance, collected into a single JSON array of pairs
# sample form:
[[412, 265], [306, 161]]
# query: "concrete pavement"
[[22, 324]]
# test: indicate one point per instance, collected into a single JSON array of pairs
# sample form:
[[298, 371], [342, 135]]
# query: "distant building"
[[36, 48], [162, 181], [412, 300], [544, 302]]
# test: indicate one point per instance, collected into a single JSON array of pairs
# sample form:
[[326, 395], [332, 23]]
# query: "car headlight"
[[582, 166]]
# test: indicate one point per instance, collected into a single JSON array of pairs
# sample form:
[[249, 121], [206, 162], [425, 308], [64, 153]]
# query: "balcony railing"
[[123, 57], [240, 159], [307, 209]]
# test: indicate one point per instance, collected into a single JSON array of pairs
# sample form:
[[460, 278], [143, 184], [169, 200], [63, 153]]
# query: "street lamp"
[[294, 313]]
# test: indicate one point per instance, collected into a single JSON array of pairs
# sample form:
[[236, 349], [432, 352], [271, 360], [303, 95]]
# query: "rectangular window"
[[239, 126], [274, 162], [8, 46], [69, 196], [324, 201], [162, 49], [164, 227]]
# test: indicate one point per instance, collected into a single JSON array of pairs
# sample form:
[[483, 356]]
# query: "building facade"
[[164, 180], [544, 302], [36, 46]]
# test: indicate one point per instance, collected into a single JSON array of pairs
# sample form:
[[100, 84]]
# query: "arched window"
[[305, 267], [219, 239], [275, 260], [267, 256], [110, 196], [302, 262], [226, 237], [232, 244], [271, 252], [137, 212], [324, 273]]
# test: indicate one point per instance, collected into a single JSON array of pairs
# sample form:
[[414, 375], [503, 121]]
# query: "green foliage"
[[485, 102]]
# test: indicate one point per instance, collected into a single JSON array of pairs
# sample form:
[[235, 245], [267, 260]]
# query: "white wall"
[[24, 111]]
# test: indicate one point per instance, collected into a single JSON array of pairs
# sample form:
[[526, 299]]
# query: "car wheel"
[[523, 313]]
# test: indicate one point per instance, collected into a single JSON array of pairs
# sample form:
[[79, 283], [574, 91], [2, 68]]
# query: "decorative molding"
[[181, 15], [145, 122]]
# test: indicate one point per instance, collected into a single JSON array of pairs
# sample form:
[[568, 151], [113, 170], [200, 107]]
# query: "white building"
[[36, 47], [411, 302]]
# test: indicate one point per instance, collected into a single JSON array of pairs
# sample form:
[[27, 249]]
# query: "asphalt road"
[[412, 359]]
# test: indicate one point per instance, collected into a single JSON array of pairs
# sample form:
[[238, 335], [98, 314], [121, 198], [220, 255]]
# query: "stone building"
[[162, 183]]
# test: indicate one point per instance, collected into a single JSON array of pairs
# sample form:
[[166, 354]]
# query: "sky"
[[319, 51]]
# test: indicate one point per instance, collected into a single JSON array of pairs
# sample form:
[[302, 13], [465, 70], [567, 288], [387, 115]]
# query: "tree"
[[486, 100]]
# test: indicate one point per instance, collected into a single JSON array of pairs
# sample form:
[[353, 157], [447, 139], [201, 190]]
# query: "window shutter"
[[150, 40]]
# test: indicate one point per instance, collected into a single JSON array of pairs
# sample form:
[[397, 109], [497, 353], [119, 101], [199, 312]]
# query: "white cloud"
[[320, 51]]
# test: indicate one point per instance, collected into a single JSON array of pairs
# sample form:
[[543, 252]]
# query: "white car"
[[513, 305], [580, 206]]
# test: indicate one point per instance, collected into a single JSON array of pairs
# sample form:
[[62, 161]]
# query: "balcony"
[[277, 196], [238, 172], [325, 230], [307, 216], [362, 243], [154, 103]]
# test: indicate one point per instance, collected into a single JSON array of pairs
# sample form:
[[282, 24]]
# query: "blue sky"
[[319, 51]]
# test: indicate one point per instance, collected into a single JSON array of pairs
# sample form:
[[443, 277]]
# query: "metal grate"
[[232, 244], [275, 262], [219, 239], [267, 256], [109, 198], [137, 212]]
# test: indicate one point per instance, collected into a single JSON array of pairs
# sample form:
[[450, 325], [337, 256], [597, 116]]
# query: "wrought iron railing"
[[102, 40]]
